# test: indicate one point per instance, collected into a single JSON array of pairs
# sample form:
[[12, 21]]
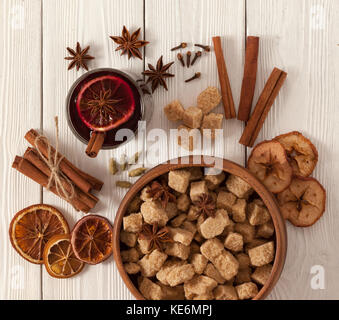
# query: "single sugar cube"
[[213, 180], [172, 293], [213, 273], [212, 248], [238, 186], [177, 222], [179, 180], [188, 225], [193, 213], [261, 274], [178, 250], [246, 230], [131, 267], [128, 238], [143, 245], [214, 226], [150, 290], [257, 214], [153, 212], [226, 292], [226, 264], [199, 285], [130, 255], [239, 210], [247, 290], [133, 222], [171, 210], [146, 194], [180, 274], [198, 262], [174, 111], [192, 117], [226, 200], [188, 138], [210, 123], [198, 188], [151, 263], [166, 268], [244, 275], [254, 243], [234, 242], [196, 173], [266, 230], [183, 202], [181, 235], [243, 259], [262, 255], [208, 99]]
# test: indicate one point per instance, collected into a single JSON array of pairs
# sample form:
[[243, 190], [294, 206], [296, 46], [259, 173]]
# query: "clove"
[[196, 56], [181, 59], [196, 76], [205, 47], [180, 46], [188, 58]]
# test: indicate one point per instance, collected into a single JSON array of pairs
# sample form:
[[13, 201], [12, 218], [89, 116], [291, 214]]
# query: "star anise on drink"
[[155, 235], [160, 191], [78, 57], [129, 43], [158, 75], [205, 205]]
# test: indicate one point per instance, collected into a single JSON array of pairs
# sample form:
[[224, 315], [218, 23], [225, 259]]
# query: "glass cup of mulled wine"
[[103, 101]]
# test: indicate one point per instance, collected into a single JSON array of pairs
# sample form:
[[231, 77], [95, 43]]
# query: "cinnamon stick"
[[226, 92], [32, 172], [33, 157], [95, 143], [264, 104], [249, 79], [84, 181]]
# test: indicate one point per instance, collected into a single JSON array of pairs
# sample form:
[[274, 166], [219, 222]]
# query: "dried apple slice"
[[303, 202], [301, 153], [268, 162]]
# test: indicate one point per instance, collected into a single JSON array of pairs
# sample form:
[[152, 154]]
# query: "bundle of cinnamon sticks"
[[74, 181]]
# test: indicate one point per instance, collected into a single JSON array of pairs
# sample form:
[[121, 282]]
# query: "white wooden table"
[[299, 36]]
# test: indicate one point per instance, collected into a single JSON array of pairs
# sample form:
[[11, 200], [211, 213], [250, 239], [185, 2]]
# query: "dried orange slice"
[[92, 239], [303, 202], [32, 227], [301, 152], [268, 162], [59, 258]]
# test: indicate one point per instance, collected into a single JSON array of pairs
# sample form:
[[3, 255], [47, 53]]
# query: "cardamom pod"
[[136, 172], [123, 162], [134, 159], [123, 184], [113, 168]]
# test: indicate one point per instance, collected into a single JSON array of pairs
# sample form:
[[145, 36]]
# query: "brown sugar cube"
[[210, 123], [181, 235], [195, 248], [199, 263], [145, 194], [179, 180], [180, 274], [196, 173], [225, 292], [208, 99], [213, 273], [178, 250], [177, 222], [214, 226], [133, 222], [261, 274], [244, 260], [198, 285], [239, 210], [262, 255], [198, 188], [166, 268], [247, 290], [183, 202], [188, 138], [131, 267], [254, 243], [213, 180], [151, 263], [234, 242], [226, 200], [172, 293], [193, 213], [130, 255], [128, 238], [244, 275], [190, 226], [266, 230], [257, 215], [134, 205], [143, 245], [153, 212], [238, 186], [212, 248], [229, 228], [171, 210], [150, 290], [226, 264], [174, 111], [192, 117], [246, 230]]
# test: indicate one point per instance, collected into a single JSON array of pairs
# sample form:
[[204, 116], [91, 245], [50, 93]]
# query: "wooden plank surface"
[[300, 38], [20, 65]]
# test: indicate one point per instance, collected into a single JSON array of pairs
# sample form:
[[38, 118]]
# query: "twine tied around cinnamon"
[[53, 164]]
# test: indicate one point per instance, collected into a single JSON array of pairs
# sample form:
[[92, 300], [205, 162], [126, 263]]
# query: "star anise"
[[155, 235], [129, 43], [157, 75], [206, 205], [161, 192], [78, 58]]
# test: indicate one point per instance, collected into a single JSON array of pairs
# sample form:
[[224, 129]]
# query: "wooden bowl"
[[229, 167]]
